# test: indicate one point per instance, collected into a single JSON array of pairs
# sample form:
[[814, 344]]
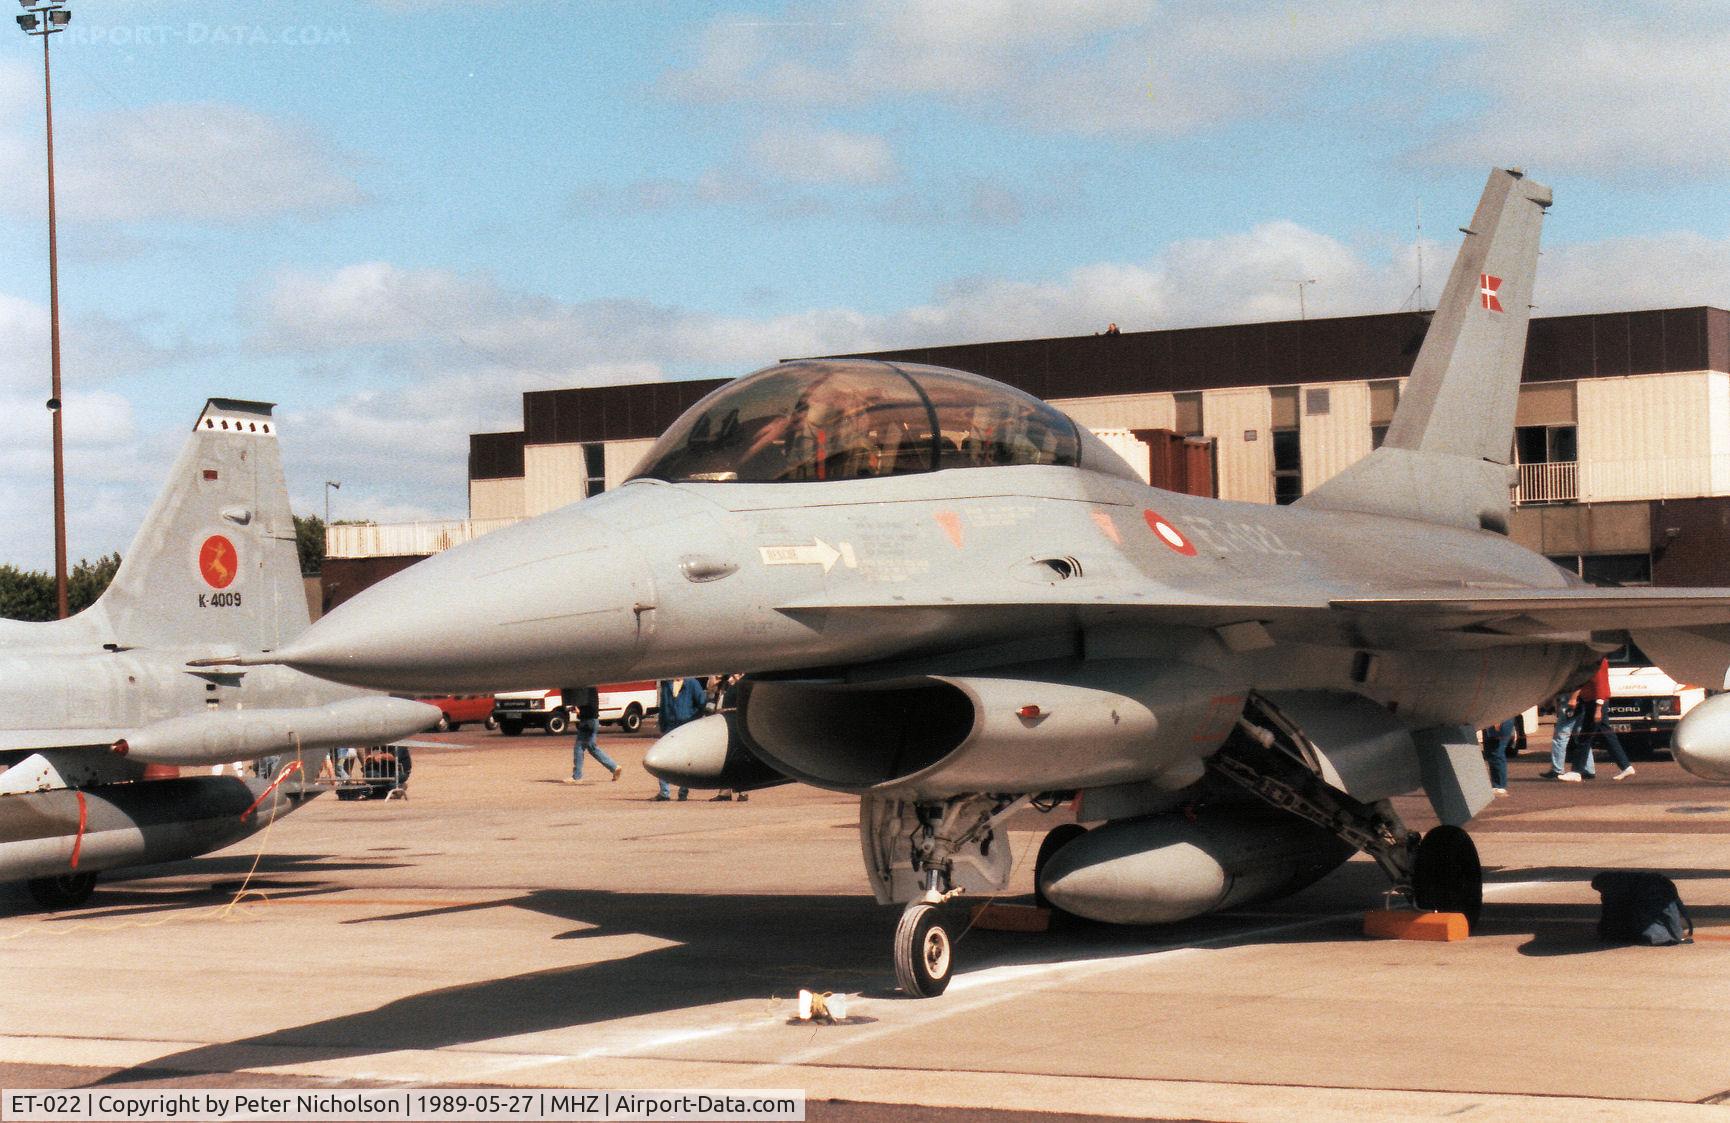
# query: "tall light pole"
[[328, 484], [44, 20], [1303, 312]]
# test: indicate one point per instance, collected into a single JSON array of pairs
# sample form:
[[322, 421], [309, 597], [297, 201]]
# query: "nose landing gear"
[[924, 957]]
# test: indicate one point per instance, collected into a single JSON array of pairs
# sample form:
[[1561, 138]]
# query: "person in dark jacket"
[[681, 701], [584, 703]]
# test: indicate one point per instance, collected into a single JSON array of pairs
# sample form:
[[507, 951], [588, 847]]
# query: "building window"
[[1611, 570], [594, 469], [1384, 400], [1546, 444], [1287, 446], [1546, 468], [1188, 420]]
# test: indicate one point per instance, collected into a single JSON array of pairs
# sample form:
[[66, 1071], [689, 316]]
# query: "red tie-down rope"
[[83, 821], [288, 770]]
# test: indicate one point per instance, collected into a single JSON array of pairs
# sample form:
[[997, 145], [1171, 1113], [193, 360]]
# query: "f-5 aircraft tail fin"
[[214, 564], [1446, 454]]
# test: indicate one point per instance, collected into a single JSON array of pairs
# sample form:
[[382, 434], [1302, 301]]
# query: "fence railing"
[[1607, 481], [1547, 483], [372, 540]]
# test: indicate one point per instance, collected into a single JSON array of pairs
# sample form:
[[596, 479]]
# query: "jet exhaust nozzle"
[[219, 736]]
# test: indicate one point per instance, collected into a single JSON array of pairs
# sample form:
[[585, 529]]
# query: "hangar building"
[[1622, 447]]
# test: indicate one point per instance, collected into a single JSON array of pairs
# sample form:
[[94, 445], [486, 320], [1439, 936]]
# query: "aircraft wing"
[[1542, 611], [1484, 612]]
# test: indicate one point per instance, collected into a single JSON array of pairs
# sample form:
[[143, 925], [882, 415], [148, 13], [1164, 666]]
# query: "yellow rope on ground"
[[222, 912]]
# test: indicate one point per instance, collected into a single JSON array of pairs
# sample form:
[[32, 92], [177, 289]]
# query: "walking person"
[[1594, 700], [585, 703], [1567, 718], [681, 700], [1496, 743]]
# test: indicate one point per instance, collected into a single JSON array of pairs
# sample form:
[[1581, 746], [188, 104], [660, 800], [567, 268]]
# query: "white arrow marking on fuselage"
[[817, 552]]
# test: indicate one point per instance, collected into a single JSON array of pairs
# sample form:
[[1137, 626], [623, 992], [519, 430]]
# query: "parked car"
[[458, 710], [1645, 703], [626, 704], [519, 709]]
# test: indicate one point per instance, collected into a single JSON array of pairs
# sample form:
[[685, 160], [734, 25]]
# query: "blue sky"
[[394, 217]]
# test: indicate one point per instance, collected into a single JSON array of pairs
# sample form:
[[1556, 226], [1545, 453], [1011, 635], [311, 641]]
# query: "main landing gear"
[[1438, 871]]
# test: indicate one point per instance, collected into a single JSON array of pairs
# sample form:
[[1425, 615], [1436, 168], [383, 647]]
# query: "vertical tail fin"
[[1446, 454], [214, 564]]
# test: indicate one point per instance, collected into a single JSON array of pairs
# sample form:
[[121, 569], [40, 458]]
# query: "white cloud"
[[1674, 269], [205, 162], [95, 348], [1595, 98], [1608, 90], [824, 156]]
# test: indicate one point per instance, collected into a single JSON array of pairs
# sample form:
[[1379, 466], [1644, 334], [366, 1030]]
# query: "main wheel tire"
[[632, 720], [1055, 839], [1447, 875], [924, 955], [444, 724], [511, 728], [557, 722], [67, 891]]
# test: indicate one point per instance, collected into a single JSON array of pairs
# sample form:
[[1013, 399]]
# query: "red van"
[[458, 710]]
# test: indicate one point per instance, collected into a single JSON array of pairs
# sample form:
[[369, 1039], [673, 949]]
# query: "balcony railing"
[[370, 540], [1557, 482]]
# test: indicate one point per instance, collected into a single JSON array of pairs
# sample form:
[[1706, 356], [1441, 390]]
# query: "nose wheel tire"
[[67, 891], [1447, 875], [1055, 839], [924, 955]]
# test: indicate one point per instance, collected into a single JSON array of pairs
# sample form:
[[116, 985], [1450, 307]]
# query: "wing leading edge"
[[1513, 612]]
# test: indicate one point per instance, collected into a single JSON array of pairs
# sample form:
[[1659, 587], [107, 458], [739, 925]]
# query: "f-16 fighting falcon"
[[954, 603], [87, 703]]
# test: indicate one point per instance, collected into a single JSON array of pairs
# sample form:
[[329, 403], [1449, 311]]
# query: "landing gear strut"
[[1438, 871]]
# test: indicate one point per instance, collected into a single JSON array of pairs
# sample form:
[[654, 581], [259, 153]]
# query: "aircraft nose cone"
[[546, 602]]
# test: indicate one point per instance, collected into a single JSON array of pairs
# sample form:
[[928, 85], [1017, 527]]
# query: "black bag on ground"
[[1641, 908]]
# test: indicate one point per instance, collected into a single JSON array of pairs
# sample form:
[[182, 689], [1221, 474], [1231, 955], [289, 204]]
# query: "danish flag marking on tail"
[[1487, 286]]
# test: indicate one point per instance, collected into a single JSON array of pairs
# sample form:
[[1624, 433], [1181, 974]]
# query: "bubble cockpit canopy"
[[861, 418]]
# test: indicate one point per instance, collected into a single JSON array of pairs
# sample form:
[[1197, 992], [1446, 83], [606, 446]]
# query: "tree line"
[[28, 594]]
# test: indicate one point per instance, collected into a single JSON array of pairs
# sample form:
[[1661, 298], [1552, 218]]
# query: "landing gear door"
[[1357, 746], [889, 829]]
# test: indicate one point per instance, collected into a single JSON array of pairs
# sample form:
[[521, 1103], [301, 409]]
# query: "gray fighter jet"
[[954, 602], [87, 704]]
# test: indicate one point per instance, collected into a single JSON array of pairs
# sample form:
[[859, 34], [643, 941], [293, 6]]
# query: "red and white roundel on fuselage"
[[1169, 534]]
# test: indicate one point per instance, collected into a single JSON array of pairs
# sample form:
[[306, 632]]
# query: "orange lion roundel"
[[218, 563]]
